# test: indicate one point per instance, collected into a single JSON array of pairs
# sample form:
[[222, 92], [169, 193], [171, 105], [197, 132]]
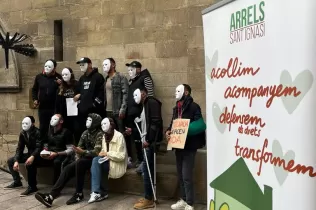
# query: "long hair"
[[64, 85]]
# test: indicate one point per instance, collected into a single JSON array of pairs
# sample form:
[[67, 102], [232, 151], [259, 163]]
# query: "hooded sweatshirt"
[[44, 90], [142, 80], [91, 90], [91, 139]]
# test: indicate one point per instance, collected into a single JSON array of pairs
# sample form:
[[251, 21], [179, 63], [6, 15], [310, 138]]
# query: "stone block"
[[98, 38], [128, 21], [16, 17], [3, 122], [105, 8], [46, 54], [8, 101], [16, 5], [96, 10], [46, 28], [193, 78], [160, 5], [43, 41], [161, 80], [138, 51], [71, 26], [102, 51], [127, 7], [5, 6], [70, 53], [196, 57], [199, 97], [195, 16], [87, 24], [30, 29], [78, 39], [57, 13], [175, 17], [171, 49], [195, 38], [34, 15], [117, 36], [78, 11], [109, 22], [166, 65], [155, 34], [149, 19], [10, 139], [133, 36], [36, 4], [201, 3]]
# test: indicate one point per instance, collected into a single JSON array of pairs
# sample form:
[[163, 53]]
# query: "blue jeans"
[[97, 172], [147, 183]]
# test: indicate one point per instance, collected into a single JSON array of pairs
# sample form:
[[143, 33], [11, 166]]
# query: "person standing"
[[67, 90], [44, 94], [138, 78], [89, 93], [186, 108], [151, 125], [29, 138], [116, 96]]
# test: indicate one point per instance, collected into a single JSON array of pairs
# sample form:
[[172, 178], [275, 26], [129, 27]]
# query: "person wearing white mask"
[[186, 108], [89, 93], [67, 89], [29, 138], [113, 153], [88, 147], [138, 78], [116, 96], [44, 94]]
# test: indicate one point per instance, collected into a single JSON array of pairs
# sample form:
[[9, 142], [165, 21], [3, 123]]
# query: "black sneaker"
[[13, 185], [76, 198], [45, 199], [29, 191]]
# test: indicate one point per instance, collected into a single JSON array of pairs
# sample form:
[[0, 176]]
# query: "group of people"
[[113, 112]]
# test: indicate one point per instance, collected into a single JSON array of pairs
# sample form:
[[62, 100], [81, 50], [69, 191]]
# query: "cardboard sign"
[[179, 132]]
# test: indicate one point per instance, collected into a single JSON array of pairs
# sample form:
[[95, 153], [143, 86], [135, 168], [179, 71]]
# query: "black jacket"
[[31, 141], [57, 141], [154, 123], [67, 92], [91, 90], [44, 90], [192, 111], [142, 80]]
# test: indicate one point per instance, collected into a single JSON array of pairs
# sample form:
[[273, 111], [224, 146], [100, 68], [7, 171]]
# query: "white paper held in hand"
[[72, 109]]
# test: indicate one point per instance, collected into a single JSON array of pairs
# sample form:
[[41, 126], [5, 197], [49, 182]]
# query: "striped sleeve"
[[149, 86]]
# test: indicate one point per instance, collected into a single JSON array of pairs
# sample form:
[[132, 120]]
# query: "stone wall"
[[166, 36]]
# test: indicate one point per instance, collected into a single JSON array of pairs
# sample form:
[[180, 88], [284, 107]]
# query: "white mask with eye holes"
[[54, 121], [105, 125], [137, 96], [89, 122], [131, 72], [179, 92], [106, 66], [66, 75], [48, 67], [26, 124], [83, 67]]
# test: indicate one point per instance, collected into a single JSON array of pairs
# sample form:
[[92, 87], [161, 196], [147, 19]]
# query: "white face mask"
[[66, 75], [26, 124], [179, 92], [83, 67], [106, 66], [48, 67], [131, 72], [54, 121], [105, 125], [89, 122], [137, 96]]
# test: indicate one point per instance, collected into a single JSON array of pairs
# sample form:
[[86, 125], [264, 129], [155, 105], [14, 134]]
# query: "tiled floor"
[[9, 199]]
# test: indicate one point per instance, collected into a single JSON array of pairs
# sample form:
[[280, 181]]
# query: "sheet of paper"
[[72, 109]]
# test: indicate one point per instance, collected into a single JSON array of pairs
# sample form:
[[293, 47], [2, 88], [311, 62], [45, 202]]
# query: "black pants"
[[134, 137], [44, 116], [72, 124], [185, 165], [76, 169], [32, 169]]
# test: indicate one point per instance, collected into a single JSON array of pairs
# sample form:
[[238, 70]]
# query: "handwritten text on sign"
[[179, 133]]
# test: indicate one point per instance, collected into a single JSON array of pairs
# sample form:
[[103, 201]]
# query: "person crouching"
[[113, 153]]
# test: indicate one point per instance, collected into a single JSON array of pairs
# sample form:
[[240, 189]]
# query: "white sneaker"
[[188, 207], [181, 204], [96, 197]]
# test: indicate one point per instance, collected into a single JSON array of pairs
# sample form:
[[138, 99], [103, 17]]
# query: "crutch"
[[148, 168]]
